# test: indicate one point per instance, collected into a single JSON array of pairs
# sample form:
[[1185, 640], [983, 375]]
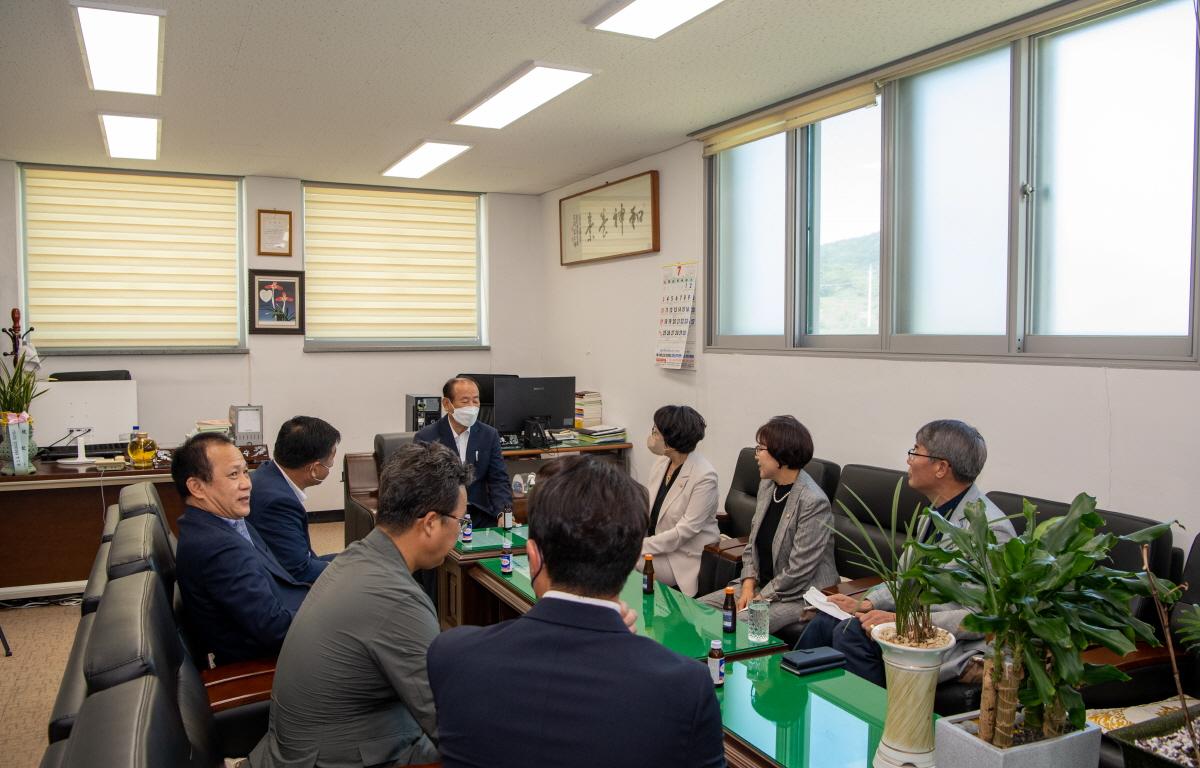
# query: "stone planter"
[[1137, 757], [958, 746], [912, 677]]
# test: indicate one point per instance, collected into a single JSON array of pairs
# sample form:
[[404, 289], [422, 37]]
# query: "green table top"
[[483, 539], [679, 622], [830, 719]]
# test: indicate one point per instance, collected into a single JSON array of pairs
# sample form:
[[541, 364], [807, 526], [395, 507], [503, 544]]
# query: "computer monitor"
[[487, 393], [550, 400]]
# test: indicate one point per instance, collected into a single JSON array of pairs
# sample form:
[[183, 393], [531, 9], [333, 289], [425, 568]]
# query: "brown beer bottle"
[[729, 612], [648, 576]]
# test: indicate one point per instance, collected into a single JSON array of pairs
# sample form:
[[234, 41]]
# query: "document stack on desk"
[[601, 433], [212, 425], [589, 409]]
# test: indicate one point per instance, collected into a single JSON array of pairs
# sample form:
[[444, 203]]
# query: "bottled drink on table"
[[506, 564], [716, 663], [468, 530], [141, 449], [506, 518], [729, 612], [648, 576]]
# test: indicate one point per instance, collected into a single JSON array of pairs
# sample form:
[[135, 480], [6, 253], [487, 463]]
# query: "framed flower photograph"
[[276, 301]]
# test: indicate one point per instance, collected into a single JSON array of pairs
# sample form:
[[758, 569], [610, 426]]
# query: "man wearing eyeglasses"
[[942, 466], [304, 457], [351, 687]]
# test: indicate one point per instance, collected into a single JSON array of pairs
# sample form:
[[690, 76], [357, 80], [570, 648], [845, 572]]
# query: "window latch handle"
[[1026, 190]]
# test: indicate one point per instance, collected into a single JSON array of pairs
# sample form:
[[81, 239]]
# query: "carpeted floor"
[[41, 638]]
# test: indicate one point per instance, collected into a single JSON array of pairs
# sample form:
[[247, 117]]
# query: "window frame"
[[1016, 344]]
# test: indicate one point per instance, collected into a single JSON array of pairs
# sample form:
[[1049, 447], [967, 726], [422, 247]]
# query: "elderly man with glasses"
[[304, 456], [351, 687], [942, 466]]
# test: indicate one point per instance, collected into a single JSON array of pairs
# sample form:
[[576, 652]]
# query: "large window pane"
[[752, 198], [844, 224], [952, 157], [1113, 178]]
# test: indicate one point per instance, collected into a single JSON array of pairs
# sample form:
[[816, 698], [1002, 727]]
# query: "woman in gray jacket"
[[791, 537]]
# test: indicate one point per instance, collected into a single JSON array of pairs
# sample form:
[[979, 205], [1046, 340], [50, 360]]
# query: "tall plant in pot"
[[1043, 597], [912, 646], [18, 388]]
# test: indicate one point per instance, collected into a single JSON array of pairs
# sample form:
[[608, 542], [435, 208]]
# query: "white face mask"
[[466, 415]]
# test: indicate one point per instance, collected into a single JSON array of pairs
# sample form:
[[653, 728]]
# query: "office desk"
[[677, 621], [51, 523], [774, 718], [458, 606]]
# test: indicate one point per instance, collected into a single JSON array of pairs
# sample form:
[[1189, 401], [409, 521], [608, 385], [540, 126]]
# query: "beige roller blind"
[[795, 116], [123, 260], [385, 265]]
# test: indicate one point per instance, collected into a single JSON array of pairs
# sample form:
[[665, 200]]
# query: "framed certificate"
[[274, 233]]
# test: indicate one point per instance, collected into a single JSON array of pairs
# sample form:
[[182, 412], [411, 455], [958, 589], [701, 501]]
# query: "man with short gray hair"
[[945, 459]]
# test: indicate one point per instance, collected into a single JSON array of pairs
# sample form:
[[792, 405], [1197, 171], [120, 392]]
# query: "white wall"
[[1129, 437], [361, 393]]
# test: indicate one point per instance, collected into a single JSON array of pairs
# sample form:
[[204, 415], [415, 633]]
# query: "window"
[[391, 268], [121, 260], [1030, 194]]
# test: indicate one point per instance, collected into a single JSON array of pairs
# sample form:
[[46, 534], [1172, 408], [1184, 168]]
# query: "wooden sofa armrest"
[[853, 586], [728, 549], [243, 682], [1143, 656]]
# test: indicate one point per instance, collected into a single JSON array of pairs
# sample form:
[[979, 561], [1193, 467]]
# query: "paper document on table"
[[818, 600]]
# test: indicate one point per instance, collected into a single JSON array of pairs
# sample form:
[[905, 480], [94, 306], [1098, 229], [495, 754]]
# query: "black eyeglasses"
[[462, 521], [913, 452]]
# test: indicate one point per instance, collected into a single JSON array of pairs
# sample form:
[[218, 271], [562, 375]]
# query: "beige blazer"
[[687, 520]]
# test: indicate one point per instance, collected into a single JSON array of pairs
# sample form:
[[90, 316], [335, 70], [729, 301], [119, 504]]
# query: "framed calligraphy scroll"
[[617, 219]]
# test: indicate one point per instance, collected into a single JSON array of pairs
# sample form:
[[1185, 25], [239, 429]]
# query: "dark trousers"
[[863, 657]]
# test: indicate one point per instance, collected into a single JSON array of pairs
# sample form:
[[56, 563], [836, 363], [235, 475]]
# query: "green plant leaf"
[[1112, 639], [1073, 703], [1053, 630], [1147, 534], [1094, 674], [1037, 675]]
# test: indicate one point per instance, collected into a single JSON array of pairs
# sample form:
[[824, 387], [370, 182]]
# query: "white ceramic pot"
[[912, 677]]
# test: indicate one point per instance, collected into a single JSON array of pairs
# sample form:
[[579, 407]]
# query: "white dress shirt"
[[560, 595], [461, 441]]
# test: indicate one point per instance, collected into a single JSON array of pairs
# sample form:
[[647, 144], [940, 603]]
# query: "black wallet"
[[810, 660]]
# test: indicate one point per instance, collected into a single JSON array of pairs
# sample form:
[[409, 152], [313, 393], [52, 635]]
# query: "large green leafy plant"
[[898, 566], [18, 386], [1043, 597]]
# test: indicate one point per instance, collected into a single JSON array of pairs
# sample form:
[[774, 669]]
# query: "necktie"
[[240, 526]]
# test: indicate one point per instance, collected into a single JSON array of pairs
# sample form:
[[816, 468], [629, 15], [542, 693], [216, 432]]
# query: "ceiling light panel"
[[527, 92], [121, 49], [654, 18], [425, 158], [131, 137]]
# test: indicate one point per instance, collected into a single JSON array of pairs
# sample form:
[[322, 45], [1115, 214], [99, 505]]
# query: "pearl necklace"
[[781, 498]]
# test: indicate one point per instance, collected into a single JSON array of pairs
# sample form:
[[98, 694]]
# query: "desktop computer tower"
[[421, 410]]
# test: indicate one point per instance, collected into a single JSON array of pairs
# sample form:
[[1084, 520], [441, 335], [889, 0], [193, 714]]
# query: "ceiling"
[[337, 90]]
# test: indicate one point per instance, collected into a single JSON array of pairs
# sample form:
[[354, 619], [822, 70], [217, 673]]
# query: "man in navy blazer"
[[304, 456], [477, 445], [239, 601], [581, 689]]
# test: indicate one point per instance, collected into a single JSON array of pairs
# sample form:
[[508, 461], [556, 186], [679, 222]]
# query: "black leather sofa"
[[360, 482]]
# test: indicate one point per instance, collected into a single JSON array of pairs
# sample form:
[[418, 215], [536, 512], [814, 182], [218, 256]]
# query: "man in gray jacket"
[[942, 465], [351, 687]]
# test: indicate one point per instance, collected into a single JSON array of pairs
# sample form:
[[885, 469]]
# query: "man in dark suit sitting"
[[238, 599], [580, 688], [304, 456], [477, 445]]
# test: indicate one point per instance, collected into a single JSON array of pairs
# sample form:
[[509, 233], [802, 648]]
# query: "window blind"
[[391, 266], [125, 260]]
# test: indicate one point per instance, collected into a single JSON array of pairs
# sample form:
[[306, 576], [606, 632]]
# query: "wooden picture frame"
[[271, 292], [610, 221], [274, 233]]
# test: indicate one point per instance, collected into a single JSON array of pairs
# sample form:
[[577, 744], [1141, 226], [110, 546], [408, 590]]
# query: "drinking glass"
[[760, 621]]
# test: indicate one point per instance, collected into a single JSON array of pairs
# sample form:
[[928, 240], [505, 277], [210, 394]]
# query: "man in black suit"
[[477, 445], [580, 688]]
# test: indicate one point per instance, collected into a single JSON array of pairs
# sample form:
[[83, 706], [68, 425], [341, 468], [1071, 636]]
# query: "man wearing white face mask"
[[477, 445]]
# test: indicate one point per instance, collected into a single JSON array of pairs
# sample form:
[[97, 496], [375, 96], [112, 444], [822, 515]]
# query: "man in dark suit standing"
[[477, 445], [238, 599], [304, 457], [586, 690]]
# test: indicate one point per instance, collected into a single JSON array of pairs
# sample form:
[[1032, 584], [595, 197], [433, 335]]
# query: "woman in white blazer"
[[683, 498]]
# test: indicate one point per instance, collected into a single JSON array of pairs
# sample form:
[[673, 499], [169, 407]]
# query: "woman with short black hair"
[[683, 498], [791, 537]]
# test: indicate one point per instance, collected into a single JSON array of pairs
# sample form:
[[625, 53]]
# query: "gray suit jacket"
[[803, 545], [949, 616], [351, 687]]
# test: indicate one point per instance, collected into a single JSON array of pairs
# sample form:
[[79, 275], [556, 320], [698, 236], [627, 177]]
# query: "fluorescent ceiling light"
[[132, 137], [425, 158], [654, 18], [120, 49], [527, 92]]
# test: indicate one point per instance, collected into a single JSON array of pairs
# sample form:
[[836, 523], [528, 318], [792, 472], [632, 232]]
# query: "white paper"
[[817, 599]]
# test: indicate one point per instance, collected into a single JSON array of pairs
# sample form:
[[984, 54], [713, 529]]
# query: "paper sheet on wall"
[[676, 348]]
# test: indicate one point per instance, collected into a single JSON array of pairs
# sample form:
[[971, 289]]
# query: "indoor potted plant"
[[1043, 598], [912, 646], [18, 388]]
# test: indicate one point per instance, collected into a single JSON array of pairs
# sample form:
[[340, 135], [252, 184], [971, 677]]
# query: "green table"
[[679, 622], [771, 717], [455, 605], [491, 540]]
